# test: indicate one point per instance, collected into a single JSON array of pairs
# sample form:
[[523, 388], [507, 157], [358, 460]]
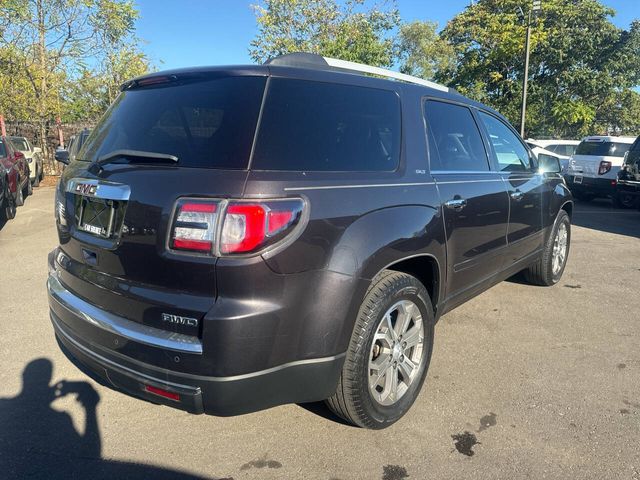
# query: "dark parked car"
[[15, 182], [66, 155], [235, 238], [628, 186]]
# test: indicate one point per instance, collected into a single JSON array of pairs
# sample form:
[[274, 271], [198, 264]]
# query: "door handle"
[[517, 195], [456, 204]]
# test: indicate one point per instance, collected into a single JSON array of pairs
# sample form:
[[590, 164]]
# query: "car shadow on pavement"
[[601, 215], [39, 441]]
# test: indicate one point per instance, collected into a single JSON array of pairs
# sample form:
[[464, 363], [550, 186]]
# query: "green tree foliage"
[[422, 52], [55, 53], [353, 30], [582, 66]]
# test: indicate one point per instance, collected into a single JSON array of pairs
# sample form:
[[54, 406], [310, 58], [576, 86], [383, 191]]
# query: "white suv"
[[593, 169]]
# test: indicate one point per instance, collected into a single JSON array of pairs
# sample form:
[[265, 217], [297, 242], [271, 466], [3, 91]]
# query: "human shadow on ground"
[[38, 441]]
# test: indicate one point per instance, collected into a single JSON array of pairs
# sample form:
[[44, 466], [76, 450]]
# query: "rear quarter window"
[[314, 126]]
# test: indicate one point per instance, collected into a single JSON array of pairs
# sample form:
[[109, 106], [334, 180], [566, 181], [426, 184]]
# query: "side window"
[[512, 155], [3, 151], [314, 126], [454, 139]]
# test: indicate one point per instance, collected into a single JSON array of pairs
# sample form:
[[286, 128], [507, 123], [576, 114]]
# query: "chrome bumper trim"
[[120, 326]]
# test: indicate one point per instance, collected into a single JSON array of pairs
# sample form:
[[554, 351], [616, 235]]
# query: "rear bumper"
[[629, 187], [84, 333], [601, 187]]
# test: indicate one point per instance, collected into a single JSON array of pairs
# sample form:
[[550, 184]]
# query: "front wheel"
[[8, 210], [20, 197], [28, 188], [389, 353], [36, 180], [624, 200], [549, 268]]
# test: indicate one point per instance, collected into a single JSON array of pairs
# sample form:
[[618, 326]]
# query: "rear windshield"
[[314, 126], [207, 124], [603, 149], [20, 143]]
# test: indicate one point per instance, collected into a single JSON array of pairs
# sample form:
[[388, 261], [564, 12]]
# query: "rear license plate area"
[[98, 216]]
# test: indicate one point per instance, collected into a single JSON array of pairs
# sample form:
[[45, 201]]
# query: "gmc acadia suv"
[[236, 238]]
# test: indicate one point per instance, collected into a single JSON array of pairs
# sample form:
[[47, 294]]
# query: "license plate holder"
[[96, 216]]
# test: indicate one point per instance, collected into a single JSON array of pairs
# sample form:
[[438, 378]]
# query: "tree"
[[582, 64], [51, 42], [422, 52], [351, 30]]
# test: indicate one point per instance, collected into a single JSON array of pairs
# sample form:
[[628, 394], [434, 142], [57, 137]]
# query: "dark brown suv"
[[234, 238]]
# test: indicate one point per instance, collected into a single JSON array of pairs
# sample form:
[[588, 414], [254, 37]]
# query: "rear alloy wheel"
[[549, 268], [8, 210], [389, 353]]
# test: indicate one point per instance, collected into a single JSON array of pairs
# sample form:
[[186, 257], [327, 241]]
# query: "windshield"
[[205, 124], [602, 149], [20, 143]]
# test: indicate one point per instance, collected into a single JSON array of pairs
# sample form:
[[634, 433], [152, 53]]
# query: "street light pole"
[[535, 8]]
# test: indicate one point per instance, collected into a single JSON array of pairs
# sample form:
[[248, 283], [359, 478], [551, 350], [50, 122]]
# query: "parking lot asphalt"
[[525, 382]]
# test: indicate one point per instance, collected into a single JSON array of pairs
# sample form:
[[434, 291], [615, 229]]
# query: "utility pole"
[[535, 8]]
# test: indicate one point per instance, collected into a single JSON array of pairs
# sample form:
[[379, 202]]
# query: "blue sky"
[[218, 32]]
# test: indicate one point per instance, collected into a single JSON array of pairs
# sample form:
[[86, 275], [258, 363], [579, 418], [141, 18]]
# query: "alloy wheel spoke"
[[407, 367], [411, 338]]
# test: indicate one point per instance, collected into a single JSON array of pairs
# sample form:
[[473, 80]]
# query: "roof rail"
[[310, 60]]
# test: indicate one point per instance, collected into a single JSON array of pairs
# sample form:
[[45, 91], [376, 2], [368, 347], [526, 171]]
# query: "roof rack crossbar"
[[383, 72]]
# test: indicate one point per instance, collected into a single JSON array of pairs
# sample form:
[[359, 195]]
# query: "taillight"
[[195, 226], [246, 226], [604, 167]]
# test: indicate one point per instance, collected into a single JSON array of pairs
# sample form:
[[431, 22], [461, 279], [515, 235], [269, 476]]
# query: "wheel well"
[[424, 268], [568, 207]]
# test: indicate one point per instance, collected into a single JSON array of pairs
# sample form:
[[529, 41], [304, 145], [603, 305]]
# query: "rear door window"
[[455, 143], [3, 150], [314, 126], [208, 123], [510, 152]]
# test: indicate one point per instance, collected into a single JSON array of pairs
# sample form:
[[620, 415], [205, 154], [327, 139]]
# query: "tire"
[[36, 180], [624, 200], [8, 209], [545, 271], [354, 400], [20, 198], [28, 189]]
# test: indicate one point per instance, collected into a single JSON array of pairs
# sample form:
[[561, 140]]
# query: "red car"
[[14, 179]]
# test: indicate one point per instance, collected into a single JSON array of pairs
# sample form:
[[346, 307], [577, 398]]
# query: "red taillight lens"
[[194, 226], [250, 226], [162, 393], [605, 167]]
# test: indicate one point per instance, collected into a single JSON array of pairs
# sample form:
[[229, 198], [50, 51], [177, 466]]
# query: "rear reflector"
[[162, 393]]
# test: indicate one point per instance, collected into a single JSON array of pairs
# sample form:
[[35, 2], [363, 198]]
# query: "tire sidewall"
[[562, 218], [386, 415]]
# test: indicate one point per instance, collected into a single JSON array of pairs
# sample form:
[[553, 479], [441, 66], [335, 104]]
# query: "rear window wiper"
[[134, 153]]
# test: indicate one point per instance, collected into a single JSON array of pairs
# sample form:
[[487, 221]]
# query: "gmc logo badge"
[[86, 189], [178, 320]]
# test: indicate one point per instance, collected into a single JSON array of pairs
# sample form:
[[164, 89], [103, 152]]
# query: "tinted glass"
[[602, 149], [3, 151], [511, 153], [20, 143], [566, 150], [313, 126], [205, 124], [454, 139]]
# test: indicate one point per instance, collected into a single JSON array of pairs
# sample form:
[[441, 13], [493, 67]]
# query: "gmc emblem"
[[86, 189], [178, 320]]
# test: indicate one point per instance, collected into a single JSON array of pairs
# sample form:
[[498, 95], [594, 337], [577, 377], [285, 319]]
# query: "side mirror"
[[62, 156], [548, 164], [37, 150]]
